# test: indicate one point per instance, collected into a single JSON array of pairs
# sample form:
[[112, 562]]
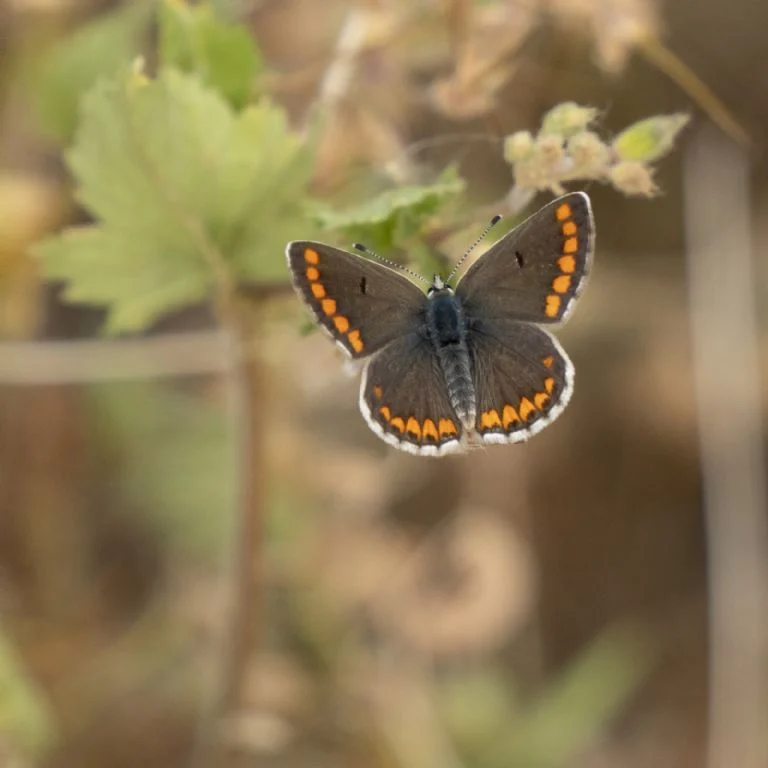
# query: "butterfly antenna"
[[393, 264], [493, 222]]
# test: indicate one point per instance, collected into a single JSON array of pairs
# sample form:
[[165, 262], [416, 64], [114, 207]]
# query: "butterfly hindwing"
[[523, 380], [404, 398], [537, 271], [361, 304]]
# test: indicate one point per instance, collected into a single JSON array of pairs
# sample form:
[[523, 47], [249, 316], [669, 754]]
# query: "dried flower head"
[[566, 150], [589, 153], [518, 147], [615, 27], [633, 178]]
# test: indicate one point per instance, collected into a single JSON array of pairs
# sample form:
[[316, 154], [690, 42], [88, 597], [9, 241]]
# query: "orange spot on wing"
[[429, 430], [385, 413], [553, 306], [312, 274], [329, 306], [571, 245], [567, 264], [447, 428], [377, 392], [570, 228], [509, 416], [341, 323], [548, 361], [412, 428], [317, 290], [541, 399], [549, 385], [398, 424], [311, 256], [561, 284], [355, 341], [563, 212], [490, 420], [526, 408]]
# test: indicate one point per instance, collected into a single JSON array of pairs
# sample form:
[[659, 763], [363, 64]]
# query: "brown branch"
[[245, 617], [31, 363]]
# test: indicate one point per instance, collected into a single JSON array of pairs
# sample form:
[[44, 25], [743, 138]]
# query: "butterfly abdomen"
[[448, 333]]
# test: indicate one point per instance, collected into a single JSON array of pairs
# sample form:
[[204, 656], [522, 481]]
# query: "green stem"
[[678, 71]]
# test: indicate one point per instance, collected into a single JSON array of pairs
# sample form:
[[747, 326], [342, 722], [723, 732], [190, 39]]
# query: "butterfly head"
[[438, 286]]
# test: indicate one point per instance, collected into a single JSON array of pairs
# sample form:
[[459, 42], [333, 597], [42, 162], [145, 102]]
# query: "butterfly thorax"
[[447, 330]]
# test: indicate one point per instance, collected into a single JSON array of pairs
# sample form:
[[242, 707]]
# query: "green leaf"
[[231, 9], [183, 189], [139, 280], [578, 705], [649, 140], [26, 718], [98, 49], [395, 215], [476, 705], [224, 56]]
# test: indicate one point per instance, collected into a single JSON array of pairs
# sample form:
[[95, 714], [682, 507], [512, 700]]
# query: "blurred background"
[[199, 568]]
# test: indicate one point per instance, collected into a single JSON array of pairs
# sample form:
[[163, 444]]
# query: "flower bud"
[[567, 118], [518, 146], [649, 139]]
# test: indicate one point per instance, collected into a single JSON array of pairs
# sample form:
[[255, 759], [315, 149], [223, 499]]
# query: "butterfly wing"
[[537, 271], [523, 379], [361, 304], [404, 399]]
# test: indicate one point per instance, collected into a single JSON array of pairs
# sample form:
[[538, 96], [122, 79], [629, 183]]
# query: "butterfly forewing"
[[362, 304], [536, 272]]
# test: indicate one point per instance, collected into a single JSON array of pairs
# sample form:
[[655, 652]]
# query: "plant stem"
[[678, 71], [245, 614], [243, 621]]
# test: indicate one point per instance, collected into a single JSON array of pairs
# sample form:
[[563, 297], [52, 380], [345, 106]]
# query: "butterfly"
[[462, 366]]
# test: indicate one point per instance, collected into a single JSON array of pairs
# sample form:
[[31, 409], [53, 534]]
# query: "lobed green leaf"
[[394, 215], [182, 188]]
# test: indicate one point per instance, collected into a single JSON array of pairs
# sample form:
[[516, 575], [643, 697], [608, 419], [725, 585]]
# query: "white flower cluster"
[[565, 149]]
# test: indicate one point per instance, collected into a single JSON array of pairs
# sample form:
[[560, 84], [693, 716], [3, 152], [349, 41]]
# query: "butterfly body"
[[458, 366], [447, 329]]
